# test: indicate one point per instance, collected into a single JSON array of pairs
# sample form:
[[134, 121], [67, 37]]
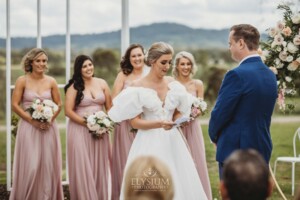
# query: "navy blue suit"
[[241, 117]]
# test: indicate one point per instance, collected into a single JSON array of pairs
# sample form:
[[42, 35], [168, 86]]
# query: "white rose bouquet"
[[199, 107], [281, 53], [42, 110], [98, 124]]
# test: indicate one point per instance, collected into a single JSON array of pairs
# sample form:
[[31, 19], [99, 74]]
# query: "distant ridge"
[[180, 36]]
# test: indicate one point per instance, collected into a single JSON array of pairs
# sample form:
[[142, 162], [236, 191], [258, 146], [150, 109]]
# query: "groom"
[[242, 115]]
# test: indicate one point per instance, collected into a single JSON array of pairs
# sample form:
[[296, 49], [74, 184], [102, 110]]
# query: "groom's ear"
[[242, 44], [223, 191]]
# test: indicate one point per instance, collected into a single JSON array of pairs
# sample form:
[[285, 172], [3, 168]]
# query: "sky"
[[98, 16]]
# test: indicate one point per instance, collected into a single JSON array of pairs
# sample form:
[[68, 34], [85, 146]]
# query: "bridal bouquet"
[[281, 53], [199, 107], [98, 124], [42, 110]]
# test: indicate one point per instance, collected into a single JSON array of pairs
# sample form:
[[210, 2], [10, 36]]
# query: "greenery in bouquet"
[[281, 53], [14, 125]]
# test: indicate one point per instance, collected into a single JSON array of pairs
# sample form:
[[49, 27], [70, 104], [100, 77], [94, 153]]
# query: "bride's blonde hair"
[[156, 50]]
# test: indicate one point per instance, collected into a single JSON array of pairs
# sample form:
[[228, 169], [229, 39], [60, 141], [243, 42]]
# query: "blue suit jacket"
[[242, 115]]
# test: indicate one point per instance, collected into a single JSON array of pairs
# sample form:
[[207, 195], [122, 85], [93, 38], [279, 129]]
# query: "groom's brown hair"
[[248, 33]]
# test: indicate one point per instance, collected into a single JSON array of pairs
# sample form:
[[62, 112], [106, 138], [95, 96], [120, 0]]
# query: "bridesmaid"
[[133, 68], [37, 159], [183, 70], [88, 158]]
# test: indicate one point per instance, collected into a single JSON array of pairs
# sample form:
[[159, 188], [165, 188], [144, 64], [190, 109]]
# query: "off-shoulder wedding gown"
[[167, 145]]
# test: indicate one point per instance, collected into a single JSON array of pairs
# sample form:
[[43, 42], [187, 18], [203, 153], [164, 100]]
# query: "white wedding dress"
[[169, 146]]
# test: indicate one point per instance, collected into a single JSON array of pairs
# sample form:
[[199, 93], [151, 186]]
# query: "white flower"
[[100, 114], [292, 48], [93, 127], [288, 79], [278, 63], [265, 53], [278, 49], [278, 40], [36, 115], [280, 25], [55, 108], [51, 104], [289, 58], [106, 122], [91, 120], [203, 106], [37, 101], [296, 40], [283, 55], [286, 31], [47, 113], [101, 130], [296, 19], [272, 32], [293, 66]]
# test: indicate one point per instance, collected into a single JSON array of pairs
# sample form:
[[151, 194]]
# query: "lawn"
[[282, 134]]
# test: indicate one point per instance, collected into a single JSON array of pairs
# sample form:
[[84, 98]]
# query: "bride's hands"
[[167, 125]]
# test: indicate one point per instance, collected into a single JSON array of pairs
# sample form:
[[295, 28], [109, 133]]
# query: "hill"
[[180, 36]]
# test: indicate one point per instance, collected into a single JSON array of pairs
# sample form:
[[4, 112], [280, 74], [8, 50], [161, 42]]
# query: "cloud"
[[95, 16]]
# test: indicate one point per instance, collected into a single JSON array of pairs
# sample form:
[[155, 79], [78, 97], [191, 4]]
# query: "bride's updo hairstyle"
[[156, 50]]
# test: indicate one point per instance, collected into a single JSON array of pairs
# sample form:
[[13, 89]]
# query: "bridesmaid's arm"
[[118, 84], [56, 97], [108, 101], [70, 106], [176, 115], [17, 98], [16, 101], [199, 88], [139, 123]]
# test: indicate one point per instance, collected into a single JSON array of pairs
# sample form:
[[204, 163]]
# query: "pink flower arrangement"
[[199, 107], [42, 110], [281, 53], [98, 124]]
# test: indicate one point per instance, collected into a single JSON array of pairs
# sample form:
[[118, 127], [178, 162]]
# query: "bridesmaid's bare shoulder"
[[198, 82], [169, 79], [137, 83], [21, 82]]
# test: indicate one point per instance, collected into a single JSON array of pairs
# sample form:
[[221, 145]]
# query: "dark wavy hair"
[[77, 78], [125, 64]]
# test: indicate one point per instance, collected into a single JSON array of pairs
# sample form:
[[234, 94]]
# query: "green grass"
[[282, 135]]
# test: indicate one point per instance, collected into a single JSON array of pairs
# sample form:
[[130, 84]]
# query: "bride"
[[150, 103]]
